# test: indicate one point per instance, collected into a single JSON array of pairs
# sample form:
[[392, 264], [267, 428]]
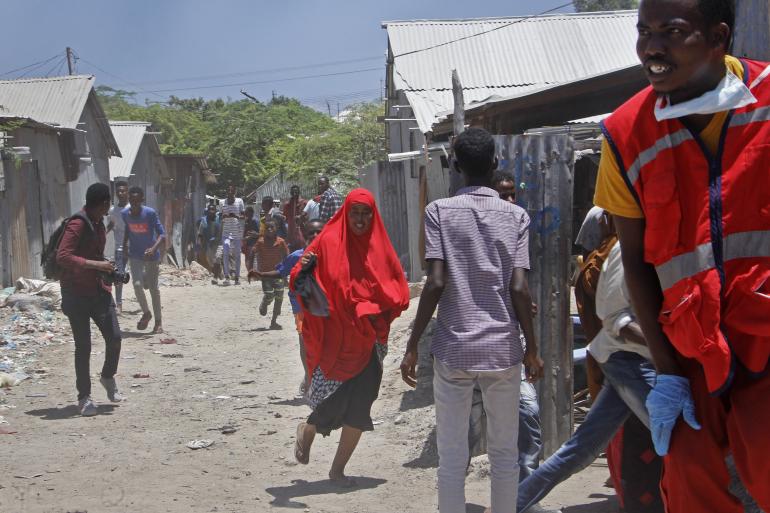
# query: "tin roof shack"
[[495, 58], [55, 143], [141, 163], [183, 194]]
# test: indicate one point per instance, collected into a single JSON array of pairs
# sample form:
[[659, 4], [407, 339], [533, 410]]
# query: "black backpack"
[[51, 269]]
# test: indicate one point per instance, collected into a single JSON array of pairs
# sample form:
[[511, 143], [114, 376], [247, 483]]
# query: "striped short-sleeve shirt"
[[481, 239]]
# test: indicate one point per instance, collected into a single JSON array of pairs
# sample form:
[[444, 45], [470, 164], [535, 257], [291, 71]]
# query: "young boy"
[[270, 250], [282, 270], [477, 252]]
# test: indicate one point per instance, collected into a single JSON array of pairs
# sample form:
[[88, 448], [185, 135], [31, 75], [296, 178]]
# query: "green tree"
[[604, 5]]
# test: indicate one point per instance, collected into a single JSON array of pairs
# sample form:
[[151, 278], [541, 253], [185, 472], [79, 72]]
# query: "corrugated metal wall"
[[544, 169], [279, 187]]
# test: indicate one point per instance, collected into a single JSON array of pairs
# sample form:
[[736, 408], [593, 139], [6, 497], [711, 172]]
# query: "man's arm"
[[66, 257], [646, 293], [522, 307], [161, 235], [429, 298]]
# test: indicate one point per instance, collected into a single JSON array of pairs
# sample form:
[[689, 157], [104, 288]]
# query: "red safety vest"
[[707, 226]]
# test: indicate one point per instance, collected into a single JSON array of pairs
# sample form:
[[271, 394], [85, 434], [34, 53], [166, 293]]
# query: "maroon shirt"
[[78, 244]]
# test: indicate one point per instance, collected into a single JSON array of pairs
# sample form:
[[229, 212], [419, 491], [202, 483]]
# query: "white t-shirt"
[[118, 226], [312, 209], [232, 228], [613, 307]]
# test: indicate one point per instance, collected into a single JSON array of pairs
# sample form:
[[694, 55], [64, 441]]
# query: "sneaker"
[[214, 281], [111, 387], [87, 407], [226, 283], [263, 308], [237, 282]]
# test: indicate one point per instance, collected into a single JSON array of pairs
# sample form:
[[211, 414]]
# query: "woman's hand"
[[306, 258]]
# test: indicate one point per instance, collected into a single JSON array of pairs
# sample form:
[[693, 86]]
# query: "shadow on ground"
[[428, 457], [284, 495], [610, 505], [68, 412]]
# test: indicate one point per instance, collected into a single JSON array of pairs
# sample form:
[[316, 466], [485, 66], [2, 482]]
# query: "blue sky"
[[151, 44]]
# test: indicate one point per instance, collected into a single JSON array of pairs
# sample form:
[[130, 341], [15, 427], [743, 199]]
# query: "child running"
[[282, 270], [270, 251]]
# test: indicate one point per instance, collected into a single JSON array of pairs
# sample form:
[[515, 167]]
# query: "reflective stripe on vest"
[[736, 245], [670, 141]]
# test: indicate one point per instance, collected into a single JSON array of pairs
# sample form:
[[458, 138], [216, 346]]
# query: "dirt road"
[[225, 369]]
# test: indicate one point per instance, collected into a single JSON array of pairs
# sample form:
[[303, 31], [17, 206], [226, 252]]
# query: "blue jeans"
[[628, 380], [530, 434]]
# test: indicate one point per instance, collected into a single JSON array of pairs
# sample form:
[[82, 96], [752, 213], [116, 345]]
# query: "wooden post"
[[455, 178], [752, 29]]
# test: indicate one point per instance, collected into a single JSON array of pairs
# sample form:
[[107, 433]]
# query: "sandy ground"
[[230, 371]]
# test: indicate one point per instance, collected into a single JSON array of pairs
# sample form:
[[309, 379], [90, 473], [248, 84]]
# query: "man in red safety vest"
[[685, 171]]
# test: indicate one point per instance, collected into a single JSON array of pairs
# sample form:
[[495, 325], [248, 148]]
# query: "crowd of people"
[[672, 291]]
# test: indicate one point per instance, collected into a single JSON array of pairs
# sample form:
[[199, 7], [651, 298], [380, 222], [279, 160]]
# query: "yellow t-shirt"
[[613, 195]]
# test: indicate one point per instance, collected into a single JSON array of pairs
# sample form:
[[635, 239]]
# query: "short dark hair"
[[295, 186], [503, 176], [97, 194], [474, 150], [136, 190], [715, 12], [323, 178], [266, 199], [121, 183], [270, 222]]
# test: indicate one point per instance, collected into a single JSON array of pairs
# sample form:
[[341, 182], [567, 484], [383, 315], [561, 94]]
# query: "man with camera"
[[86, 279]]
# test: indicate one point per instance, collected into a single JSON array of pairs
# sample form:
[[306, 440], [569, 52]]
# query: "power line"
[[37, 68], [117, 77], [519, 20], [287, 79], [55, 65], [43, 62], [270, 70]]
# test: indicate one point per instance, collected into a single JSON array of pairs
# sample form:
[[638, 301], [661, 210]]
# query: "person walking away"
[[530, 441], [232, 215], [359, 271], [295, 225], [118, 229], [250, 236], [270, 251], [87, 296], [210, 239], [695, 247], [283, 270], [330, 200], [477, 253], [142, 241]]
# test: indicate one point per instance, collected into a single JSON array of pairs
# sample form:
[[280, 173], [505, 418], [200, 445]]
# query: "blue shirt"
[[143, 230], [284, 269]]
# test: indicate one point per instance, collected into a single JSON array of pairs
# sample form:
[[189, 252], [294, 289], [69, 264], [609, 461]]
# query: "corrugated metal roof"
[[57, 101], [129, 135], [518, 55]]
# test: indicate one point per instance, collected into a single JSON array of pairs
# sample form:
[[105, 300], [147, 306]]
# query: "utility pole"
[[70, 61], [458, 119], [752, 29], [247, 95], [329, 108]]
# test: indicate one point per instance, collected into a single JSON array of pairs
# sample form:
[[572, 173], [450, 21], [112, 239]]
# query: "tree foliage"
[[604, 5], [247, 142]]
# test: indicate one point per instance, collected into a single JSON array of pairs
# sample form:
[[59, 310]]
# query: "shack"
[[54, 142]]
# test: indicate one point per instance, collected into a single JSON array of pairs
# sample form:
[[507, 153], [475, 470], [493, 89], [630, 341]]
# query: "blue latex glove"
[[670, 398]]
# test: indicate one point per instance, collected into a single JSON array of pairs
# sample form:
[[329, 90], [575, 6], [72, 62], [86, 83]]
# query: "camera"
[[116, 277]]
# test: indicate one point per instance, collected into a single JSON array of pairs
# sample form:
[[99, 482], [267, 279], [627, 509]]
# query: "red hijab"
[[365, 285]]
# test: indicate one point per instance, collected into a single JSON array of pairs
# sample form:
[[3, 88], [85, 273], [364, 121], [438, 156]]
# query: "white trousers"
[[453, 392]]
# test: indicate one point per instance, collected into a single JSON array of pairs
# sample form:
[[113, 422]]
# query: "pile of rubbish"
[[171, 276], [29, 321]]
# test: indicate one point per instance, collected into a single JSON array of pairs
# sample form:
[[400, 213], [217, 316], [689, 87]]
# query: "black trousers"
[[80, 310]]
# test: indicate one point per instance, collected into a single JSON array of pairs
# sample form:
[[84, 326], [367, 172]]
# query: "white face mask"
[[731, 93]]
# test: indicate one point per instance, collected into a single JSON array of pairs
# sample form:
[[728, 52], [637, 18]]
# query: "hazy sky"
[[152, 44]]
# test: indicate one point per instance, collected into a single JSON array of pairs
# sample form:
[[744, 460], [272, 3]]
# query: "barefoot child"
[[270, 251]]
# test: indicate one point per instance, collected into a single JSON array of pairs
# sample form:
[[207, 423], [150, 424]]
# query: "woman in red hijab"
[[361, 276]]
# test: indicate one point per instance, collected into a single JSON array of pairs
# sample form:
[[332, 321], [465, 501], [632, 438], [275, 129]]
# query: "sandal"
[[299, 454], [144, 321]]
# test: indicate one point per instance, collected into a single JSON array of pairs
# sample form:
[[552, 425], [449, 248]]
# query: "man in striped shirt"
[[477, 251], [232, 215], [330, 201]]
